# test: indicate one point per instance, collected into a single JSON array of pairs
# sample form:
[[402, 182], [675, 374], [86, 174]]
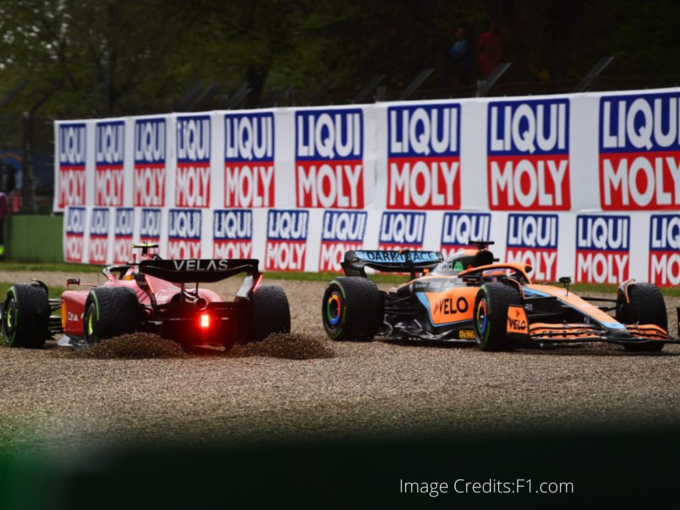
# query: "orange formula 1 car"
[[152, 295], [471, 297]]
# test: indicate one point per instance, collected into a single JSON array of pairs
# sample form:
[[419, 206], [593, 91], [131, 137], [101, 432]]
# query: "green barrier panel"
[[34, 238]]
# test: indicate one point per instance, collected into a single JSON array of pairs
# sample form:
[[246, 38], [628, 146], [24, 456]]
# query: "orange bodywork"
[[517, 320], [552, 331], [573, 300], [453, 305], [521, 267], [541, 330]]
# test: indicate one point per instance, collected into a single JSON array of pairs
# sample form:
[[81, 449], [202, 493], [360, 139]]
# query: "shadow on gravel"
[[291, 346], [430, 343], [148, 346], [612, 351], [595, 349]]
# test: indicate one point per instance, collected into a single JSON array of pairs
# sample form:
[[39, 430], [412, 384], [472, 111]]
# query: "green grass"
[[327, 277], [273, 275]]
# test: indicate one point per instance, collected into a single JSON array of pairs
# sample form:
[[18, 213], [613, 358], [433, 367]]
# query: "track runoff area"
[[524, 405], [387, 413]]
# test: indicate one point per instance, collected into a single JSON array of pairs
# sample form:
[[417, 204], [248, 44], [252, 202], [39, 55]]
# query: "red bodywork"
[[73, 301]]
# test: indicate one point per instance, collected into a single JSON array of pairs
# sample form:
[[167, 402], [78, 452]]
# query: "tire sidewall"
[[113, 311], [10, 304], [27, 307], [645, 306], [334, 299], [90, 324], [482, 335], [270, 314], [359, 307], [497, 298]]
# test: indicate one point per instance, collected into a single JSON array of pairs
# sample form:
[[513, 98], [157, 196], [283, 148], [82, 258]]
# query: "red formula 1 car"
[[153, 295], [472, 297]]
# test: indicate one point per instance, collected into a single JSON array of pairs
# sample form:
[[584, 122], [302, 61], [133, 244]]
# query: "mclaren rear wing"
[[198, 270], [401, 261]]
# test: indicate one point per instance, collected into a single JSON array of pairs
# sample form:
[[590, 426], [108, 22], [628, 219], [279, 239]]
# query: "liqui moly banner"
[[402, 230], [75, 220], [639, 150], [150, 171], [249, 177], [329, 149], [286, 247], [602, 248], [664, 249], [528, 155], [192, 176], [184, 233], [232, 234], [109, 160], [532, 239], [71, 150], [151, 226], [342, 231], [460, 230], [98, 245], [423, 161], [583, 185], [123, 232]]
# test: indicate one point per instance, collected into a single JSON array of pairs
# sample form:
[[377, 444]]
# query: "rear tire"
[[646, 306], [110, 312], [270, 313], [491, 316], [352, 309], [26, 317]]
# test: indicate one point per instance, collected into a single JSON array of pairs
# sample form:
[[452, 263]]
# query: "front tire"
[[491, 316], [646, 306], [110, 312], [352, 309], [270, 313], [26, 317]]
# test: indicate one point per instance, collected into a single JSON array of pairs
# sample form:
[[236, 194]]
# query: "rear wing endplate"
[[387, 261], [198, 270]]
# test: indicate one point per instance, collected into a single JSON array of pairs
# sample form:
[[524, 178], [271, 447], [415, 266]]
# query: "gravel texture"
[[305, 386], [294, 346], [134, 346]]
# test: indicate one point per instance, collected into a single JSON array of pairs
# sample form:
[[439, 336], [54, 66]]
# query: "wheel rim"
[[334, 310], [482, 317], [10, 321], [89, 325]]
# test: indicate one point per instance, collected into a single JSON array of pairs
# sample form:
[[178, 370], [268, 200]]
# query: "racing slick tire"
[[26, 316], [646, 306], [110, 312], [270, 313], [491, 316], [352, 309]]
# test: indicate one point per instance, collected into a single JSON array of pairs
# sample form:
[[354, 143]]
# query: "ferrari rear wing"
[[388, 261], [198, 270]]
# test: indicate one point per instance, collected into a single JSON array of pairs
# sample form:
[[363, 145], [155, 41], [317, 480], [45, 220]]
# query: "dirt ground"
[[53, 401]]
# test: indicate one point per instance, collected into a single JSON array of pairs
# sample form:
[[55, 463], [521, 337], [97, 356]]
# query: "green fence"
[[34, 238]]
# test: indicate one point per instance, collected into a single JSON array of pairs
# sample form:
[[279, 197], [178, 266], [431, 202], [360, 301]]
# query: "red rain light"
[[205, 320]]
